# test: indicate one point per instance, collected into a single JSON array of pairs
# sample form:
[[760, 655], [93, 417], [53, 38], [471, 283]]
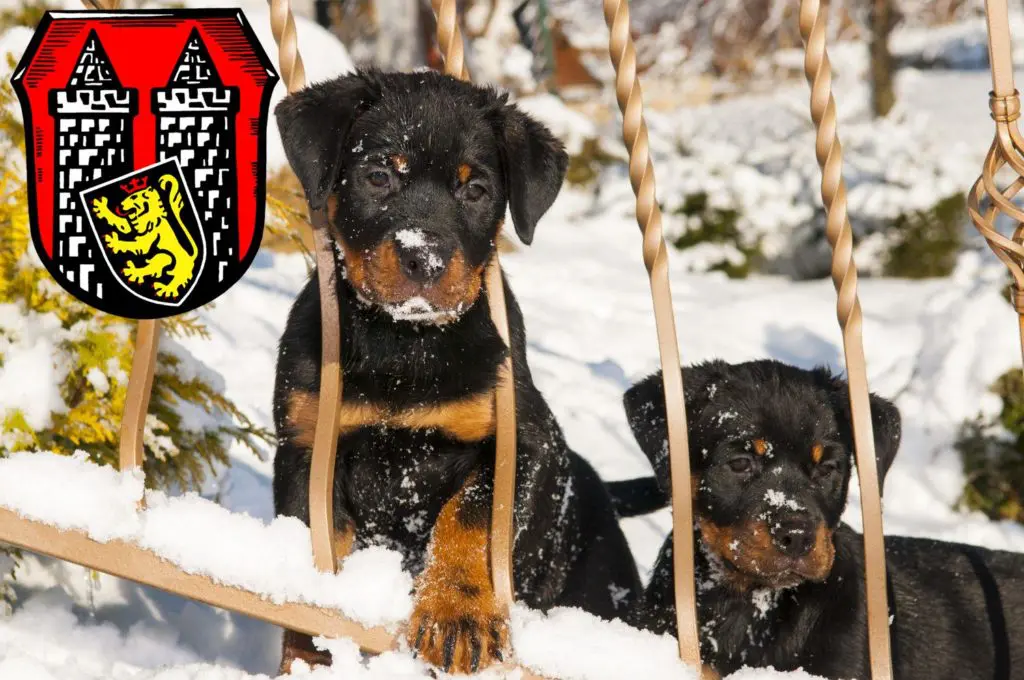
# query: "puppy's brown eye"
[[473, 192], [379, 179], [826, 469], [740, 464]]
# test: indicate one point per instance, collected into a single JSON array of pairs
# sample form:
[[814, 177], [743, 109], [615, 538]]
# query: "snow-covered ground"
[[933, 346]]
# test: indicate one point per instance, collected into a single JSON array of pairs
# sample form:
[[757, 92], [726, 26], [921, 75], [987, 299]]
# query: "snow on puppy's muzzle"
[[423, 255]]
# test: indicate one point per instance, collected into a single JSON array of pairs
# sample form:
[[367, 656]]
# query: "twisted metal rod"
[[325, 439], [282, 25], [1007, 149], [648, 215], [829, 151], [449, 37]]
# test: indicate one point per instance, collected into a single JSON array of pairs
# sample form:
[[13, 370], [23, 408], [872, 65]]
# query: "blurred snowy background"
[[733, 149]]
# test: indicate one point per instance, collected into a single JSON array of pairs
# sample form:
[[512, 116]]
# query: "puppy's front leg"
[[456, 623]]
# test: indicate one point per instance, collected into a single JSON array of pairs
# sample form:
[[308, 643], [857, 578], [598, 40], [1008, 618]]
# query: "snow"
[[778, 499], [764, 600], [961, 45], [98, 380], [570, 126], [768, 674], [891, 166], [933, 345], [92, 498], [420, 310], [202, 537], [592, 649], [411, 238], [31, 371]]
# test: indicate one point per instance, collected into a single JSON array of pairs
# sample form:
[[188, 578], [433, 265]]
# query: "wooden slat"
[[139, 392], [129, 561]]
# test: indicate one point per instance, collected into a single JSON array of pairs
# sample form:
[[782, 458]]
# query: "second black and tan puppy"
[[416, 172], [780, 580]]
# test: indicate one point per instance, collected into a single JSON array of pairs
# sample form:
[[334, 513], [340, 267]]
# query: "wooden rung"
[[129, 561]]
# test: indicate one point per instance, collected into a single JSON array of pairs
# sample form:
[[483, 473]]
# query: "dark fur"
[[958, 610], [391, 483]]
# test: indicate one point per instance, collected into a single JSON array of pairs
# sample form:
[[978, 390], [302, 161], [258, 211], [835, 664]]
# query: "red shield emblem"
[[146, 149]]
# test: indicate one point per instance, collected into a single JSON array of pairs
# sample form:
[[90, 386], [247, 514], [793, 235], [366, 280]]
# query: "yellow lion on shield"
[[144, 212]]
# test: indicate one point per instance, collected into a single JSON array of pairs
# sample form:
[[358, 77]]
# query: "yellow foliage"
[[287, 228], [27, 13]]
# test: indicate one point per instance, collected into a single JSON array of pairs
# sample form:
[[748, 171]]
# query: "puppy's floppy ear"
[[645, 409], [885, 422], [314, 124], [534, 164], [645, 412]]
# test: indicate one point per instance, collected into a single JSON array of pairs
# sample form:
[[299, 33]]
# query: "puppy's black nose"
[[794, 536], [422, 255]]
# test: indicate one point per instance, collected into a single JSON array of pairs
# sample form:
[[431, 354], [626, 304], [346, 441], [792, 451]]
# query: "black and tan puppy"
[[780, 580], [416, 171]]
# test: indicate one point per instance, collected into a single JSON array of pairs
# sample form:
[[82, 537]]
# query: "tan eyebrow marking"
[[464, 172], [400, 162], [817, 451], [760, 447]]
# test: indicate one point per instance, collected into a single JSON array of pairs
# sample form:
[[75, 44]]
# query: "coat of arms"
[[146, 148]]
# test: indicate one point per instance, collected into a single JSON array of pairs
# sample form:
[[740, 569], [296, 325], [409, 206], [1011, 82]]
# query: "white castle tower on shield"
[[196, 124], [93, 132]]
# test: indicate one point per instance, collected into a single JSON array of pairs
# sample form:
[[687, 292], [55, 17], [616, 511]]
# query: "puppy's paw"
[[458, 628]]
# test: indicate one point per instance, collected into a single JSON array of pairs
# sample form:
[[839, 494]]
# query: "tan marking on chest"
[[470, 419]]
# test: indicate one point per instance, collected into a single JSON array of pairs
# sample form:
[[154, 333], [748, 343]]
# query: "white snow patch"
[[570, 126], [98, 380], [92, 498], [618, 594], [411, 238], [726, 415], [778, 499], [273, 560], [31, 370], [419, 310], [572, 644], [764, 601]]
